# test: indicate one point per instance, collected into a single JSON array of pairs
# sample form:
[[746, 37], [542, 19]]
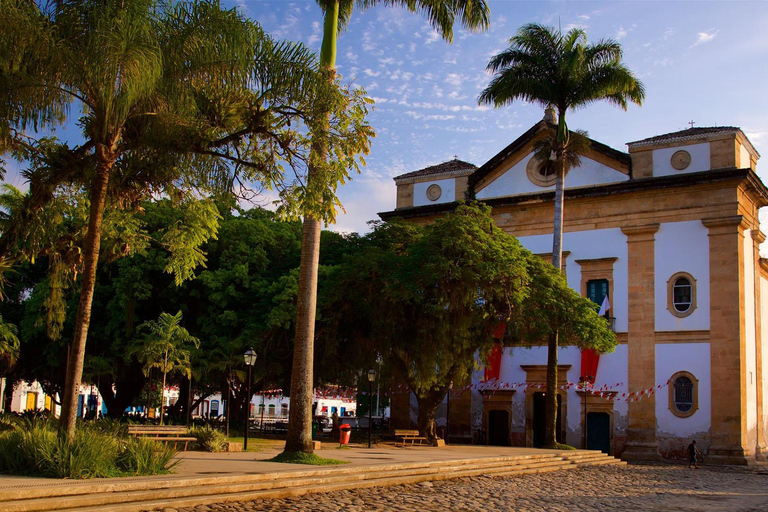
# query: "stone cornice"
[[645, 229]]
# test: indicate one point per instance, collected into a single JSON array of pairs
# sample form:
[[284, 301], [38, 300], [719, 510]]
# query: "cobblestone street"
[[594, 489]]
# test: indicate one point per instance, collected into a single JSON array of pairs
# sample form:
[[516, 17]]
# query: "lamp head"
[[250, 357], [371, 375]]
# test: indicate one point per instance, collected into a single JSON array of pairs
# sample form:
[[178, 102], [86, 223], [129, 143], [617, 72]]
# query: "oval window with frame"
[[683, 394], [682, 293]]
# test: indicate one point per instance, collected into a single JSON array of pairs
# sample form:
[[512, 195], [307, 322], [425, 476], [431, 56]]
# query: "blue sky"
[[705, 62]]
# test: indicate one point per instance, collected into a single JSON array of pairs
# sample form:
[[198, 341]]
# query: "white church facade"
[[669, 232]]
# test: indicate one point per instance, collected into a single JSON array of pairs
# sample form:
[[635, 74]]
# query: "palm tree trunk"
[[550, 435], [162, 397], [300, 421], [299, 437], [83, 320]]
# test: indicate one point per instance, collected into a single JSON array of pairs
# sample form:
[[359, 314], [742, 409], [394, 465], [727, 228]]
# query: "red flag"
[[493, 365]]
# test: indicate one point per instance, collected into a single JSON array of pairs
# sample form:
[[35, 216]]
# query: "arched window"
[[683, 394], [271, 409], [681, 294]]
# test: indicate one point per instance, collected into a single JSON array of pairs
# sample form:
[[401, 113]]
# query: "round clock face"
[[681, 159], [434, 192]]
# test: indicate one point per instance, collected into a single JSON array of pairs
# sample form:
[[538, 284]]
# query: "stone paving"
[[635, 488]]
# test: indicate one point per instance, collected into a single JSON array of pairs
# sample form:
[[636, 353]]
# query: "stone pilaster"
[[727, 341], [761, 450], [641, 344]]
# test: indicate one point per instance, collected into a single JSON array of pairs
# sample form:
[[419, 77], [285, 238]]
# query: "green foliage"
[[144, 457], [305, 458], [429, 299], [165, 345], [209, 438], [40, 451]]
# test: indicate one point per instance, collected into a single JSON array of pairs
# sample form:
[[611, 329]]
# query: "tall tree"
[[175, 98], [431, 299], [441, 14], [166, 345], [561, 71]]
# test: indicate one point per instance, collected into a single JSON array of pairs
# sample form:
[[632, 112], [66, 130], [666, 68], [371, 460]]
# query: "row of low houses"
[[667, 235], [31, 397]]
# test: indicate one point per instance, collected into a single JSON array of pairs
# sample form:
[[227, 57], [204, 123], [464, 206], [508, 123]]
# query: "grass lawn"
[[256, 444]]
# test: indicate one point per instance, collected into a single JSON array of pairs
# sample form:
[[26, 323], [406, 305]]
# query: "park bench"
[[404, 436], [164, 433]]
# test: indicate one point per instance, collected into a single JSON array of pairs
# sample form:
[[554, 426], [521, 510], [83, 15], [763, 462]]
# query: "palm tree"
[[561, 71], [9, 341], [169, 93], [474, 15], [165, 347]]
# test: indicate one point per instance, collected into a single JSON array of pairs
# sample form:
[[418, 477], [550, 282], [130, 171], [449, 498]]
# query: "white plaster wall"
[[699, 159], [515, 180], [585, 245], [447, 195], [744, 159], [670, 359], [611, 372], [682, 247], [749, 332]]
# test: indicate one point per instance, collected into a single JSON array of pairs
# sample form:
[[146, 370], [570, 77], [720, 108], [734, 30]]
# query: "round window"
[[434, 192], [681, 160]]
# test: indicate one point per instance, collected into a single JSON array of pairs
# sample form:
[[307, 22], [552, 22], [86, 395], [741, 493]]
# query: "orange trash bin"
[[345, 431]]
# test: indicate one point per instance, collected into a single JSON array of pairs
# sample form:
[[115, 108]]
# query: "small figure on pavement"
[[692, 453]]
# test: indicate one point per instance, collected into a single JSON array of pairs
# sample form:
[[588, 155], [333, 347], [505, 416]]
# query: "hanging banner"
[[493, 365], [589, 362]]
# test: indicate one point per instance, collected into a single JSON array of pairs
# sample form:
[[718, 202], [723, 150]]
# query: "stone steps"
[[151, 494]]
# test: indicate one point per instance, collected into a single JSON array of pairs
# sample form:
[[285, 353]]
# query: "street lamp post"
[[371, 378], [250, 360]]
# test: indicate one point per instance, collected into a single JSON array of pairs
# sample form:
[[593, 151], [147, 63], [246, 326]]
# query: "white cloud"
[[430, 117], [621, 34], [370, 72], [316, 33], [455, 79], [456, 95], [705, 37]]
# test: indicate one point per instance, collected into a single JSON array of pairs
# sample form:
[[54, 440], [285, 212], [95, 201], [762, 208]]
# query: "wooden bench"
[[408, 435], [164, 433]]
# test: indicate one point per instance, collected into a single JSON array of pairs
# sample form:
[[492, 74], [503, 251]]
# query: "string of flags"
[[605, 391]]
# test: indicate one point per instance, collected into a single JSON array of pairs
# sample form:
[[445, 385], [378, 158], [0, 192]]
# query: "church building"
[[666, 237]]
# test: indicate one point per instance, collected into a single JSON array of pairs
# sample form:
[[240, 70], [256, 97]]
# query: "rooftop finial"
[[549, 115]]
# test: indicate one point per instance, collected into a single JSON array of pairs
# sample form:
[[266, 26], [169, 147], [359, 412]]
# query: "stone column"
[[727, 341], [641, 341], [761, 449]]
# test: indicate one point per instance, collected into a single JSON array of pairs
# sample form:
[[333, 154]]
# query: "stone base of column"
[[761, 453], [728, 454], [641, 451]]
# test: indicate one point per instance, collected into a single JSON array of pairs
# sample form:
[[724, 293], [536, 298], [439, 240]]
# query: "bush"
[[209, 438], [146, 457], [39, 451]]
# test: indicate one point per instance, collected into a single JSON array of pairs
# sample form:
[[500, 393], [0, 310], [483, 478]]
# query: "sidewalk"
[[195, 464]]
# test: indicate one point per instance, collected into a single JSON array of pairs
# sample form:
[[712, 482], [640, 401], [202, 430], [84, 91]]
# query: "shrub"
[[39, 451], [146, 457], [209, 438]]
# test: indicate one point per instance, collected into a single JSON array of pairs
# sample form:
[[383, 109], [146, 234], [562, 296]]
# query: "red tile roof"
[[452, 166], [690, 133]]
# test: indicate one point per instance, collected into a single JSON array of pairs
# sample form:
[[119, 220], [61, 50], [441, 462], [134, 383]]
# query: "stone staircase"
[[137, 494]]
